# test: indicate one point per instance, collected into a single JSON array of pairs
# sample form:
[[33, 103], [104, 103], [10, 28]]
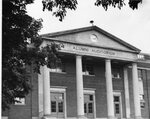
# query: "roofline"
[[54, 34]]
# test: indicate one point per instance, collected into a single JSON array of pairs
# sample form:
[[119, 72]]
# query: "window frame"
[[116, 71], [91, 91], [118, 93], [62, 90], [85, 70], [59, 69]]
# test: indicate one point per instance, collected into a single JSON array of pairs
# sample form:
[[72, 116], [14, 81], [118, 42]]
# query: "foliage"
[[119, 3], [61, 6], [17, 29]]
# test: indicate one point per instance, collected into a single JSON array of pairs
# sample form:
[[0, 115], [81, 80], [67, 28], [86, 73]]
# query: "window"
[[140, 76], [141, 89], [89, 103], [21, 101], [88, 69], [116, 73], [59, 68], [117, 104], [58, 102]]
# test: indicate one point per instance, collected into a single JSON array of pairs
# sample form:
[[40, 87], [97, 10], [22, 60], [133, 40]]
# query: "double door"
[[57, 104]]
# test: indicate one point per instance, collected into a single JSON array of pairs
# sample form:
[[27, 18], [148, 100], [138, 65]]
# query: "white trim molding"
[[4, 117]]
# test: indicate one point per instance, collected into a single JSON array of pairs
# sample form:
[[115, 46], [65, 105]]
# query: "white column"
[[46, 92], [109, 89], [137, 108], [126, 89], [79, 84]]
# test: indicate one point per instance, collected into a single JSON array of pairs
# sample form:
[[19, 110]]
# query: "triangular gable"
[[92, 36]]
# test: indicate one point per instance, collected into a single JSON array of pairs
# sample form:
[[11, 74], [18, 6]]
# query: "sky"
[[132, 26]]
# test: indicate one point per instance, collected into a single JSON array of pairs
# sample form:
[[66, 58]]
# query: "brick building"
[[101, 77]]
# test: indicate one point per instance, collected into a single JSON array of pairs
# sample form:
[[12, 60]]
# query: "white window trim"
[[4, 117], [61, 89], [140, 68], [91, 91], [118, 93]]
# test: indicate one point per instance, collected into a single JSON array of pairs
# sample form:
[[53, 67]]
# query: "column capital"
[[78, 55], [134, 63], [108, 60]]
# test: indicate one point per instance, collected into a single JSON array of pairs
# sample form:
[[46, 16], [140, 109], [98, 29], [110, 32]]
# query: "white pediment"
[[93, 36]]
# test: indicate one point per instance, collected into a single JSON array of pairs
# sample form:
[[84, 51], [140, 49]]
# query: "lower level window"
[[57, 104], [88, 105], [117, 105]]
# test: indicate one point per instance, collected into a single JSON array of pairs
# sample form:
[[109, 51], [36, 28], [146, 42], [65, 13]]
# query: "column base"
[[48, 117], [111, 117], [81, 117], [138, 117]]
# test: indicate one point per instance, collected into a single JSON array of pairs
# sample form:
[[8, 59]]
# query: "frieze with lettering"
[[97, 52]]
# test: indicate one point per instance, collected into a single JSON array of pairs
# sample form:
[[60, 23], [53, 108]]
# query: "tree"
[[17, 29], [63, 5]]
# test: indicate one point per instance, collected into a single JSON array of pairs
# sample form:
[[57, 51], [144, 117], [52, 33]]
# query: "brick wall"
[[97, 82], [68, 80], [146, 83], [30, 109]]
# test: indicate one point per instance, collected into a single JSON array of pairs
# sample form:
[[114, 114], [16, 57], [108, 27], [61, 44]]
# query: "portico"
[[122, 53]]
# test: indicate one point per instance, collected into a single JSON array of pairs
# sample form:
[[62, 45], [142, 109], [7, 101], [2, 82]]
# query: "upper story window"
[[141, 89], [88, 69], [140, 76], [20, 101], [59, 68], [116, 73]]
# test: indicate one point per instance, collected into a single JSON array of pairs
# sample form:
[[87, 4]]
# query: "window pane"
[[116, 99], [63, 67], [91, 97], [116, 73], [60, 67], [117, 109], [60, 106], [88, 69], [90, 107], [53, 106], [139, 73]]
